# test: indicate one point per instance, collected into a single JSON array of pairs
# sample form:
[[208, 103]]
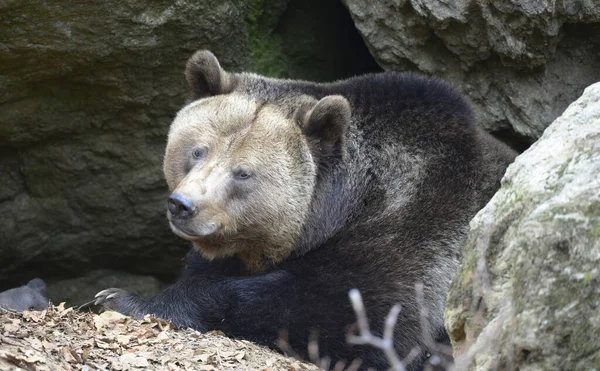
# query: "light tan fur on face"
[[260, 218]]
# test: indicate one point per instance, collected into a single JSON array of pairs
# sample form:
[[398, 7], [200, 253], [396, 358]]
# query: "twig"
[[9, 341], [313, 351], [313, 347], [283, 344], [355, 365], [386, 344], [437, 351]]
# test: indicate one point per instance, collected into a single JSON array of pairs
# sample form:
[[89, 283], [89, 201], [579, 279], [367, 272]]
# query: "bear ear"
[[326, 122], [38, 285], [206, 77]]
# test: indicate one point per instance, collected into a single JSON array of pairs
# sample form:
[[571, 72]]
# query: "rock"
[[80, 290], [31, 296], [527, 295], [520, 62], [87, 93]]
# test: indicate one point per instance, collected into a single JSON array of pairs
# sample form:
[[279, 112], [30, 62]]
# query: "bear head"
[[243, 169]]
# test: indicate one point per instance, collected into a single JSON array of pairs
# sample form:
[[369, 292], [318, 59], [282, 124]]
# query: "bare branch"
[[325, 363], [313, 347], [283, 344], [386, 344], [423, 315], [355, 365], [339, 366], [412, 355], [439, 352], [359, 309], [390, 324], [313, 350]]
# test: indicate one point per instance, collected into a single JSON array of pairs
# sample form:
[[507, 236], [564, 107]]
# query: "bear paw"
[[117, 300]]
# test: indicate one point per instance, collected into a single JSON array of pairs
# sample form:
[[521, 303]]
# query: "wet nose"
[[180, 207]]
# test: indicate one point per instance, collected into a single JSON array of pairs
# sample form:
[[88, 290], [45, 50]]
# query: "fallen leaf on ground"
[[67, 339]]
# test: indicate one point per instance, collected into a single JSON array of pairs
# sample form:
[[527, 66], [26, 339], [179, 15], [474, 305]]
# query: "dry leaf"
[[20, 362], [148, 334], [206, 367], [86, 353], [35, 344], [108, 319], [270, 362], [34, 316], [48, 346], [162, 336], [131, 359], [66, 311], [30, 356], [102, 344], [67, 339], [226, 354], [6, 340], [204, 357], [216, 333], [69, 355], [111, 316], [123, 339]]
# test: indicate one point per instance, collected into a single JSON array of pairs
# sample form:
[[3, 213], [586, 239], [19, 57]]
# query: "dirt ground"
[[67, 339]]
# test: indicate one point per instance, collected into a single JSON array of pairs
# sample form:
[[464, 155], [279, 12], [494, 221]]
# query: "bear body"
[[31, 296], [293, 193]]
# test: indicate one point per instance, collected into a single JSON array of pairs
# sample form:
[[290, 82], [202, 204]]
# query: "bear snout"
[[190, 220], [180, 207]]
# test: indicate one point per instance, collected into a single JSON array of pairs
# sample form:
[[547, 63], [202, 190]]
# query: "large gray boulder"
[[520, 62], [528, 293], [87, 92]]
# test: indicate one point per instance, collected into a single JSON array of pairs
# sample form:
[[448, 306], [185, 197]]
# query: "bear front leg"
[[121, 301], [193, 302], [197, 272], [255, 307], [262, 308]]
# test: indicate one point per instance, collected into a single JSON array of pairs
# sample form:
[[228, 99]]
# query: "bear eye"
[[242, 173], [199, 153], [31, 309]]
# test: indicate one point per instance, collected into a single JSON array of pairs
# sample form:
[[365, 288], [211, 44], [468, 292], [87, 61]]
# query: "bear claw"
[[109, 298]]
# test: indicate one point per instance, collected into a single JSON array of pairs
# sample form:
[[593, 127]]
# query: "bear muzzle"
[[187, 220], [187, 234]]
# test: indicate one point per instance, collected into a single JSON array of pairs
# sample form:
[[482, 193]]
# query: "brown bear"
[[292, 193]]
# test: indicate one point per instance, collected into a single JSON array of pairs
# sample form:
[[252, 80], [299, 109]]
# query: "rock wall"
[[87, 92], [520, 62], [528, 293]]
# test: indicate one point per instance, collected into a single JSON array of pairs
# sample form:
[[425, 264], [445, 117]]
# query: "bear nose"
[[180, 207]]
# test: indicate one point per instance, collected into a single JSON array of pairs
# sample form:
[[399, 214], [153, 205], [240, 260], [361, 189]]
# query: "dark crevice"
[[510, 137], [321, 43]]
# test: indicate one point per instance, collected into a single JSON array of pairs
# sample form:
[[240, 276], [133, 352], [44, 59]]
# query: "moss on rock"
[[542, 257]]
